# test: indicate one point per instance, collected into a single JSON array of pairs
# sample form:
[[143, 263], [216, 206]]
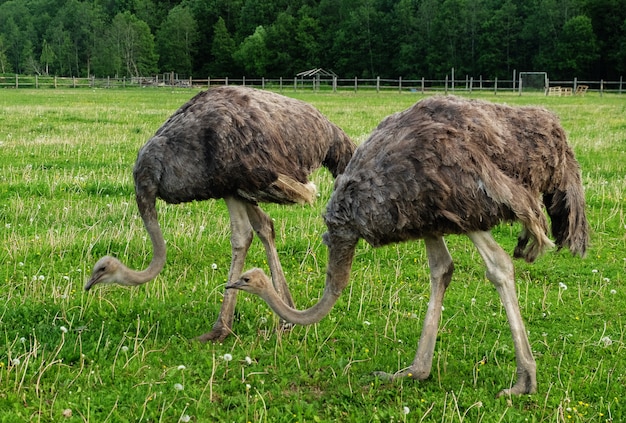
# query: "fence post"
[[400, 85], [295, 83], [55, 81], [355, 83], [243, 81], [575, 83], [17, 84], [281, 84], [471, 83], [601, 87], [446, 86], [334, 84], [620, 84], [423, 85], [263, 83], [226, 81], [36, 81], [495, 86]]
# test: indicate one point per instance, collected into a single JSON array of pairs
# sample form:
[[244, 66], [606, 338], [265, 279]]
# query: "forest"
[[352, 38]]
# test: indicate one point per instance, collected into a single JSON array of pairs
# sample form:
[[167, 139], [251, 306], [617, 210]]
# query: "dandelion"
[[366, 323], [406, 410], [67, 278], [8, 226], [125, 349], [248, 360], [606, 341], [214, 266], [21, 263], [594, 271], [185, 418], [248, 387], [181, 367], [473, 301], [15, 362], [63, 329], [562, 286], [178, 387], [23, 340], [613, 292], [227, 357]]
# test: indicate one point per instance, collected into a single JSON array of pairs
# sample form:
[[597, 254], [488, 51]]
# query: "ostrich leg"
[[264, 228], [501, 273], [441, 269], [240, 240]]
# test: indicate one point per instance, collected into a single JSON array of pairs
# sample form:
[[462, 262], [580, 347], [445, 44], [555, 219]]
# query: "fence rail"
[[422, 85]]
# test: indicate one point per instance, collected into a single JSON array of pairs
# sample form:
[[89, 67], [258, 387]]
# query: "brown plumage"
[[246, 146], [451, 166]]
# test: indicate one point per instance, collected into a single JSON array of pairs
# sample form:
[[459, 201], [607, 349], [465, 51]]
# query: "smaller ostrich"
[[245, 146], [451, 166]]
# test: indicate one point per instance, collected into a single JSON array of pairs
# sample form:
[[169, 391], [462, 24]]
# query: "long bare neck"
[[134, 277], [337, 278]]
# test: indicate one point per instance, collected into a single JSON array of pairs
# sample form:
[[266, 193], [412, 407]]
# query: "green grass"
[[117, 354]]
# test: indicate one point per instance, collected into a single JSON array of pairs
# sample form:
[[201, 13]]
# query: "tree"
[[177, 41], [252, 54], [5, 66], [47, 57], [578, 48], [222, 49], [133, 44]]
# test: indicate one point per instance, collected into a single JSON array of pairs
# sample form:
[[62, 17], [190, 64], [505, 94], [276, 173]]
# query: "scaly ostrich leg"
[[240, 240], [264, 228], [501, 273], [441, 269]]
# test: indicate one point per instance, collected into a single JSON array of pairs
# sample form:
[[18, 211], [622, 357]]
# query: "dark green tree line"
[[363, 38]]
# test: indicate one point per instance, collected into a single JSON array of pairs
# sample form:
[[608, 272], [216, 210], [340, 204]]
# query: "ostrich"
[[245, 146], [451, 166]]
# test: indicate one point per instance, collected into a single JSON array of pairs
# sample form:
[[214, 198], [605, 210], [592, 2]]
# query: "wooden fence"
[[422, 85]]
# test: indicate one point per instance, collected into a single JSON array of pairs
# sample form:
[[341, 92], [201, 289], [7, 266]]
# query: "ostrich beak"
[[91, 282], [238, 284]]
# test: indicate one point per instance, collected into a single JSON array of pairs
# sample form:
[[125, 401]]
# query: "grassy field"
[[124, 355]]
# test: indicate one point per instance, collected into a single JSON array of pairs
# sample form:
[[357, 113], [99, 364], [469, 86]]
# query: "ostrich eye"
[[102, 269], [246, 279]]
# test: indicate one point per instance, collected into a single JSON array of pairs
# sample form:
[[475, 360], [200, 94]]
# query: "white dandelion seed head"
[[15, 362], [594, 271], [67, 278], [406, 410], [366, 323], [248, 386], [63, 329], [227, 357], [23, 340], [181, 367], [214, 266], [185, 418], [178, 387], [248, 360], [21, 263], [606, 341], [607, 280], [562, 286], [613, 292], [124, 348], [41, 277]]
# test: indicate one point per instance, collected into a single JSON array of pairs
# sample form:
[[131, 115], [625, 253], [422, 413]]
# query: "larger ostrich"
[[451, 166], [245, 146]]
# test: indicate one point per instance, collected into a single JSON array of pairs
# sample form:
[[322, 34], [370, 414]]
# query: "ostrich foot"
[[219, 332], [416, 375], [526, 384]]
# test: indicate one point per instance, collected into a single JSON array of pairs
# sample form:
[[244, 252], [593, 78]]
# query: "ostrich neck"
[[337, 278], [133, 277]]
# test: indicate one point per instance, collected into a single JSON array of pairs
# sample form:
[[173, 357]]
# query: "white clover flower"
[[606, 341], [178, 387], [406, 410], [214, 266], [63, 329], [227, 357], [248, 360], [562, 286], [181, 367]]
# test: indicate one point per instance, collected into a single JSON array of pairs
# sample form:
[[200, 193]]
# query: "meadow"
[[118, 354]]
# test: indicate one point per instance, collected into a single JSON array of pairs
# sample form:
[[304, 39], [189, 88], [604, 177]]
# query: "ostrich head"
[[108, 270], [254, 281]]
